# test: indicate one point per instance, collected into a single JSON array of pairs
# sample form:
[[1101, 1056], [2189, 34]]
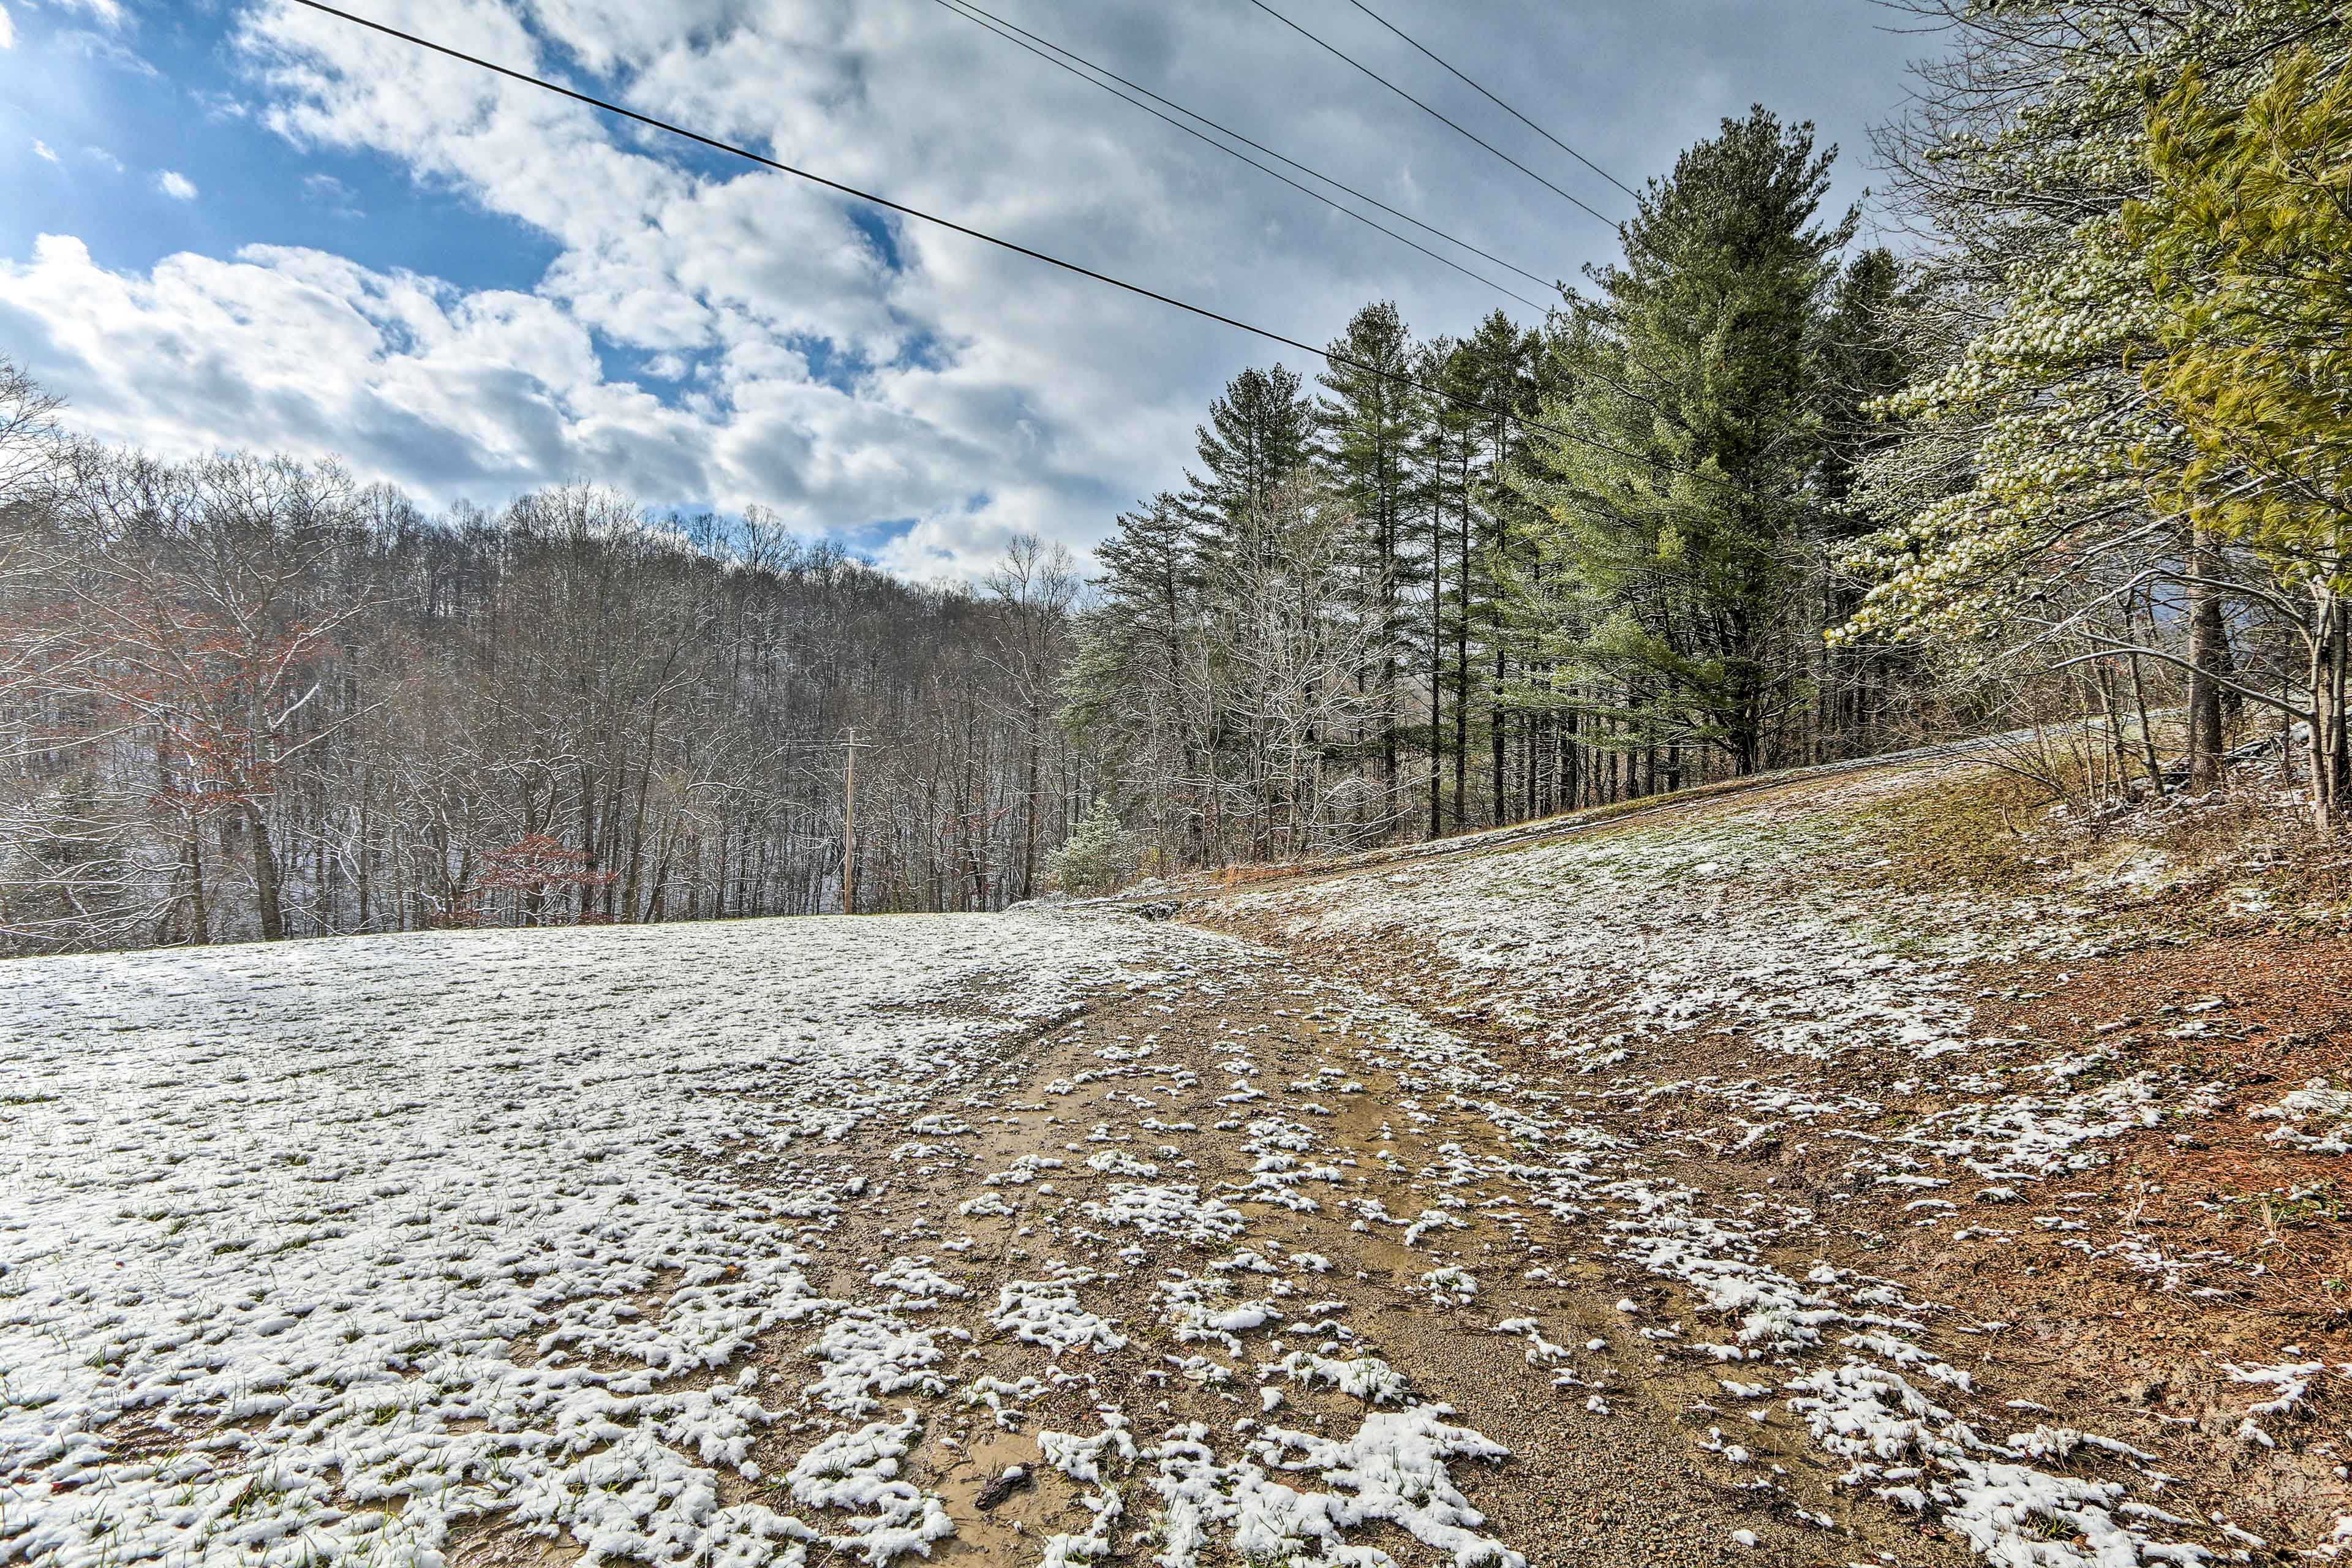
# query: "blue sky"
[[265, 228], [119, 112]]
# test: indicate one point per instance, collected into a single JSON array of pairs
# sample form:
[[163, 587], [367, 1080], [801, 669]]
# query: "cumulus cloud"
[[861, 369], [709, 333], [448, 392], [176, 185]]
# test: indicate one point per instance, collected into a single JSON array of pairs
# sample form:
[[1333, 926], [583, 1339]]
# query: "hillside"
[[1811, 1173]]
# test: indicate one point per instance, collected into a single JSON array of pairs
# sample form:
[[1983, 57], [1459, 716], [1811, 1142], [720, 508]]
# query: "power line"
[[511, 74], [967, 7], [1276, 173], [1498, 102], [1433, 114]]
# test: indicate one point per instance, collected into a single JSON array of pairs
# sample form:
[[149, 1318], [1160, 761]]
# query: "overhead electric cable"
[[1276, 173], [973, 12], [1498, 102], [607, 106], [1459, 130]]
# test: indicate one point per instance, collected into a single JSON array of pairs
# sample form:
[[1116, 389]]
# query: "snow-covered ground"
[[1054, 1238], [341, 1250], [311, 1249], [1731, 979]]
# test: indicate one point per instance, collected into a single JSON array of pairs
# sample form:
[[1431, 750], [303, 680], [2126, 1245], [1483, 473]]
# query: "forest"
[[2069, 464], [249, 698]]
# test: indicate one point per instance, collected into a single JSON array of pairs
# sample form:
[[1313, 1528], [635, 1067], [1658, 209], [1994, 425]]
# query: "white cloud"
[[847, 380], [44, 150], [107, 12], [176, 185], [7, 30], [454, 393], [971, 391], [333, 195], [107, 47]]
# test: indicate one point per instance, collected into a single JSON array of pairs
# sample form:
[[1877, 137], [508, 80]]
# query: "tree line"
[[245, 698], [1465, 582], [2077, 469]]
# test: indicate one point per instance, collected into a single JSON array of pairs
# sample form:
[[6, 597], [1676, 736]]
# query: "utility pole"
[[849, 827]]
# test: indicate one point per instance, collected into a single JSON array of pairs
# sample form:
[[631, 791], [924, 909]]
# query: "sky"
[[243, 224]]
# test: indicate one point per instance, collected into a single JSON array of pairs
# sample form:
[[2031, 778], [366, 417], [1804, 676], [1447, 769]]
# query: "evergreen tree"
[[1128, 688], [1867, 355], [2033, 505], [1260, 432], [2249, 237], [1098, 856], [1698, 393], [1368, 426], [1864, 359], [1495, 371], [1455, 429]]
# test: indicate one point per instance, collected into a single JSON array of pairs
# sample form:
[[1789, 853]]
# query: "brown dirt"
[[2262, 1008], [1628, 1487]]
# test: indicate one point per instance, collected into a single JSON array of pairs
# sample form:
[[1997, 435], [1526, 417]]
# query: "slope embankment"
[[2009, 1170]]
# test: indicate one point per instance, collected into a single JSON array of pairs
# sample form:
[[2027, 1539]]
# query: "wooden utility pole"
[[849, 827]]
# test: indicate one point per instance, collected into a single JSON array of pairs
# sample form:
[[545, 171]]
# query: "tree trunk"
[[1462, 659], [265, 876], [2208, 650], [1499, 741], [1029, 816], [1436, 671], [2331, 724]]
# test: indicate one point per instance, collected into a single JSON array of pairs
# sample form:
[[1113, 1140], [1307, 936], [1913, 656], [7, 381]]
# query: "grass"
[[2190, 864], [1979, 830], [2291, 1208], [1480, 841]]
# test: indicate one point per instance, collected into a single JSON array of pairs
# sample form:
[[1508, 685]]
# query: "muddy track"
[[1607, 1431], [1818, 1078]]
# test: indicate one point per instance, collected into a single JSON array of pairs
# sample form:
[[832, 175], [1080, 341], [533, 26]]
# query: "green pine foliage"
[[2247, 234], [2120, 464], [1099, 856], [1669, 521], [1753, 497]]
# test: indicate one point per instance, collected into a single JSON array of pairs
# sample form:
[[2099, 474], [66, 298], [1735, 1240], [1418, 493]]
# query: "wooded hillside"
[[247, 697], [2073, 466]]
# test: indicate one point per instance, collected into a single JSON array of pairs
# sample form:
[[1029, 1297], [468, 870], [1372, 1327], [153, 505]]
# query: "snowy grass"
[[312, 1251], [338, 1252], [1758, 931]]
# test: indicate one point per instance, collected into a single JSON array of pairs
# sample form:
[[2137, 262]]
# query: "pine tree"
[[1098, 856], [1368, 427], [1129, 690], [1867, 355], [1454, 438], [2032, 510], [2249, 236], [1260, 432], [1697, 389], [1495, 371]]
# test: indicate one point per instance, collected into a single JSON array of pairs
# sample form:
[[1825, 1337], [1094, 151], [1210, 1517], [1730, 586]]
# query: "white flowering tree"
[[2035, 507]]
